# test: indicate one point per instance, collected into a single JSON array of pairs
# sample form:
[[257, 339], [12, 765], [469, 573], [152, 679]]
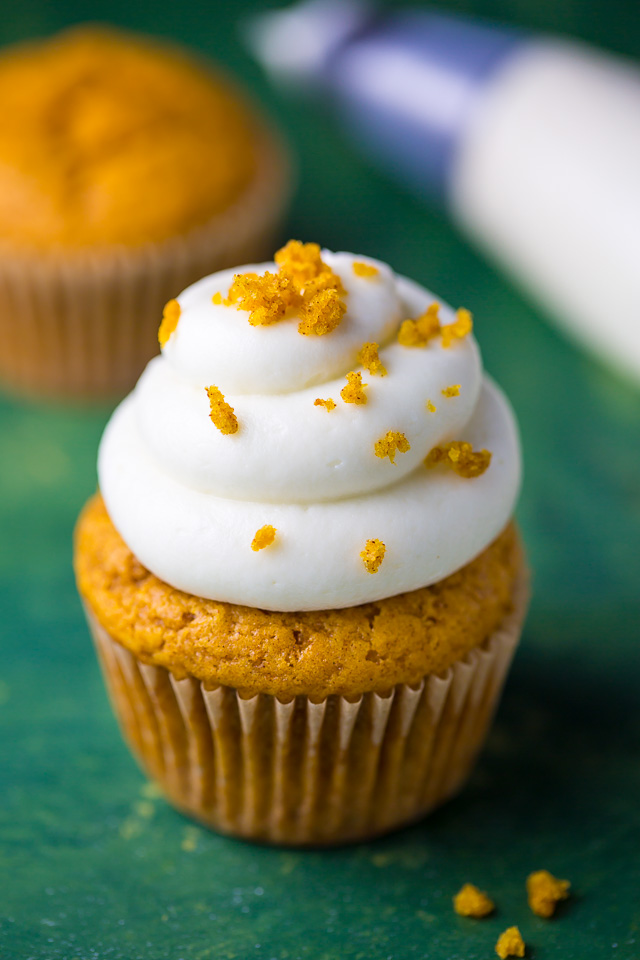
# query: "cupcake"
[[301, 572], [127, 171]]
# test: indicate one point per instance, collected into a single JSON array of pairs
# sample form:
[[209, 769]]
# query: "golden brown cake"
[[301, 574], [127, 170]]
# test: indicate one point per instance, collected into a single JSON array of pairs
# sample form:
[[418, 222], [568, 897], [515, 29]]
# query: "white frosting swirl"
[[188, 499]]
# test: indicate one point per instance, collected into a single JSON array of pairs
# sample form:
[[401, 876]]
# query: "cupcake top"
[[316, 433], [109, 138]]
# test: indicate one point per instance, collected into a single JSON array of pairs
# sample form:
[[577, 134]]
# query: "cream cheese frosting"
[[188, 499]]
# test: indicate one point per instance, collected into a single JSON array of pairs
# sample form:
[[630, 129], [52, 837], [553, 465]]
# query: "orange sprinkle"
[[322, 313], [170, 317], [373, 555], [365, 269], [453, 391], [327, 404], [431, 407], [510, 944], [460, 328], [369, 359], [264, 537], [222, 415], [461, 457], [544, 891], [469, 901], [354, 390], [418, 332], [391, 442], [217, 299]]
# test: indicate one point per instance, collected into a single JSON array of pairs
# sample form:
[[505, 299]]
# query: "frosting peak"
[[324, 440]]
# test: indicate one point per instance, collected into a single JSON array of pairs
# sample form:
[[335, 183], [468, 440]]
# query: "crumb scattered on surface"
[[264, 537], [418, 332], [170, 317], [217, 299], [469, 901], [221, 413], [452, 391], [391, 442], [431, 407], [370, 360], [322, 313], [461, 457], [373, 555], [267, 298], [544, 892], [327, 404], [510, 944], [364, 269], [459, 329], [354, 390]]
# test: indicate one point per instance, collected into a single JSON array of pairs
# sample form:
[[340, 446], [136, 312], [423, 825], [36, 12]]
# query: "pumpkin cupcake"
[[127, 171], [301, 572]]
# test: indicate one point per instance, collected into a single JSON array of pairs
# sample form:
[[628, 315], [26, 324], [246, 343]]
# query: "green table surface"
[[93, 864]]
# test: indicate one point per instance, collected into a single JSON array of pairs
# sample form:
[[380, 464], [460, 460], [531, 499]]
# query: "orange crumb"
[[217, 299], [222, 415], [354, 390], [418, 332], [471, 902], [322, 313], [267, 298], [365, 269], [460, 328], [510, 944], [369, 358], [373, 555], [170, 317], [452, 391], [264, 537], [327, 404], [544, 891], [461, 457], [431, 407], [391, 442], [303, 265]]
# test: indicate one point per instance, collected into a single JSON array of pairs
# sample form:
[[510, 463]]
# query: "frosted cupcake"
[[301, 574], [127, 171]]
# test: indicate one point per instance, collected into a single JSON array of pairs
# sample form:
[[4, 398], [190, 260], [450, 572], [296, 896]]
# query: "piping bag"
[[531, 143]]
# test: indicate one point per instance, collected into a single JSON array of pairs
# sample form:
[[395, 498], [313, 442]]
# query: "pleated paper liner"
[[304, 772], [85, 324]]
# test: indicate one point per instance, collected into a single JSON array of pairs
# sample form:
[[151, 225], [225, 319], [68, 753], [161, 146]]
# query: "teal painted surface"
[[94, 865]]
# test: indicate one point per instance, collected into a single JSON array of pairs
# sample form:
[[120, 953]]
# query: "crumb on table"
[[469, 901], [544, 891], [510, 944]]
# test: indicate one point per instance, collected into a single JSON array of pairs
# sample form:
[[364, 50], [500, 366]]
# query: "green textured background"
[[94, 865]]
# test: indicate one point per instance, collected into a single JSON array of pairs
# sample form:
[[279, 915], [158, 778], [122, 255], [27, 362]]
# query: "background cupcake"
[[127, 170], [305, 588]]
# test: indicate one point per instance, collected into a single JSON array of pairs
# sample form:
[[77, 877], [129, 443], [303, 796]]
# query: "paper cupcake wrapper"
[[85, 325], [303, 772]]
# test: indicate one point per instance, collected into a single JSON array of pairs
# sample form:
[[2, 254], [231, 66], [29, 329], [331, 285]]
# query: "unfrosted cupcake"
[[301, 575], [127, 171]]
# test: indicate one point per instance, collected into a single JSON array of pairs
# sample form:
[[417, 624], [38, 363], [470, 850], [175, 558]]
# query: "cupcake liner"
[[307, 772], [85, 323]]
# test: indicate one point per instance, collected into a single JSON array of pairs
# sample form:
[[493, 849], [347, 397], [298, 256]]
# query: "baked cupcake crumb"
[[170, 317], [418, 332], [369, 359], [452, 391], [469, 901], [459, 329], [365, 269], [461, 457], [264, 537], [354, 390], [266, 298], [431, 407], [373, 555], [510, 944], [392, 442], [328, 404], [321, 313], [544, 892], [221, 413]]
